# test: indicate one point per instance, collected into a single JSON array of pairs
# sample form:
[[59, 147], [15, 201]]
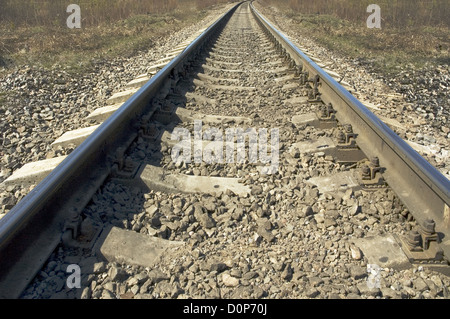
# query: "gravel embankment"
[[39, 105], [416, 100], [284, 239]]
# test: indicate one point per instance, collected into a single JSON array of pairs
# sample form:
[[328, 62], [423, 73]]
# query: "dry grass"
[[406, 37], [395, 13], [35, 32], [94, 12]]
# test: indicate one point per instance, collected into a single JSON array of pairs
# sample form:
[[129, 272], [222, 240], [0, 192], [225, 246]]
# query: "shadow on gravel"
[[121, 203]]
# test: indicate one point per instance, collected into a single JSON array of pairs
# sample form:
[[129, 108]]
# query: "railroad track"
[[236, 168]]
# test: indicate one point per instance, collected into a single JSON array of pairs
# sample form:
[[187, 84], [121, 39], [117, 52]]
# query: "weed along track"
[[236, 168]]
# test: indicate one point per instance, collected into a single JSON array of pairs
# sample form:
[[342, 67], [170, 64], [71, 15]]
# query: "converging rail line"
[[234, 148]]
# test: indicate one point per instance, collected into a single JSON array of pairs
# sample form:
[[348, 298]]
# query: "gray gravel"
[[39, 105], [416, 98], [286, 239]]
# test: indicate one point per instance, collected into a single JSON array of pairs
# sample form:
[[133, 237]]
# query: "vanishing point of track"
[[238, 141]]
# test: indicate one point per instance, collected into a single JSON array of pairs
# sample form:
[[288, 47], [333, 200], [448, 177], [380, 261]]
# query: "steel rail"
[[33, 228], [419, 185]]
